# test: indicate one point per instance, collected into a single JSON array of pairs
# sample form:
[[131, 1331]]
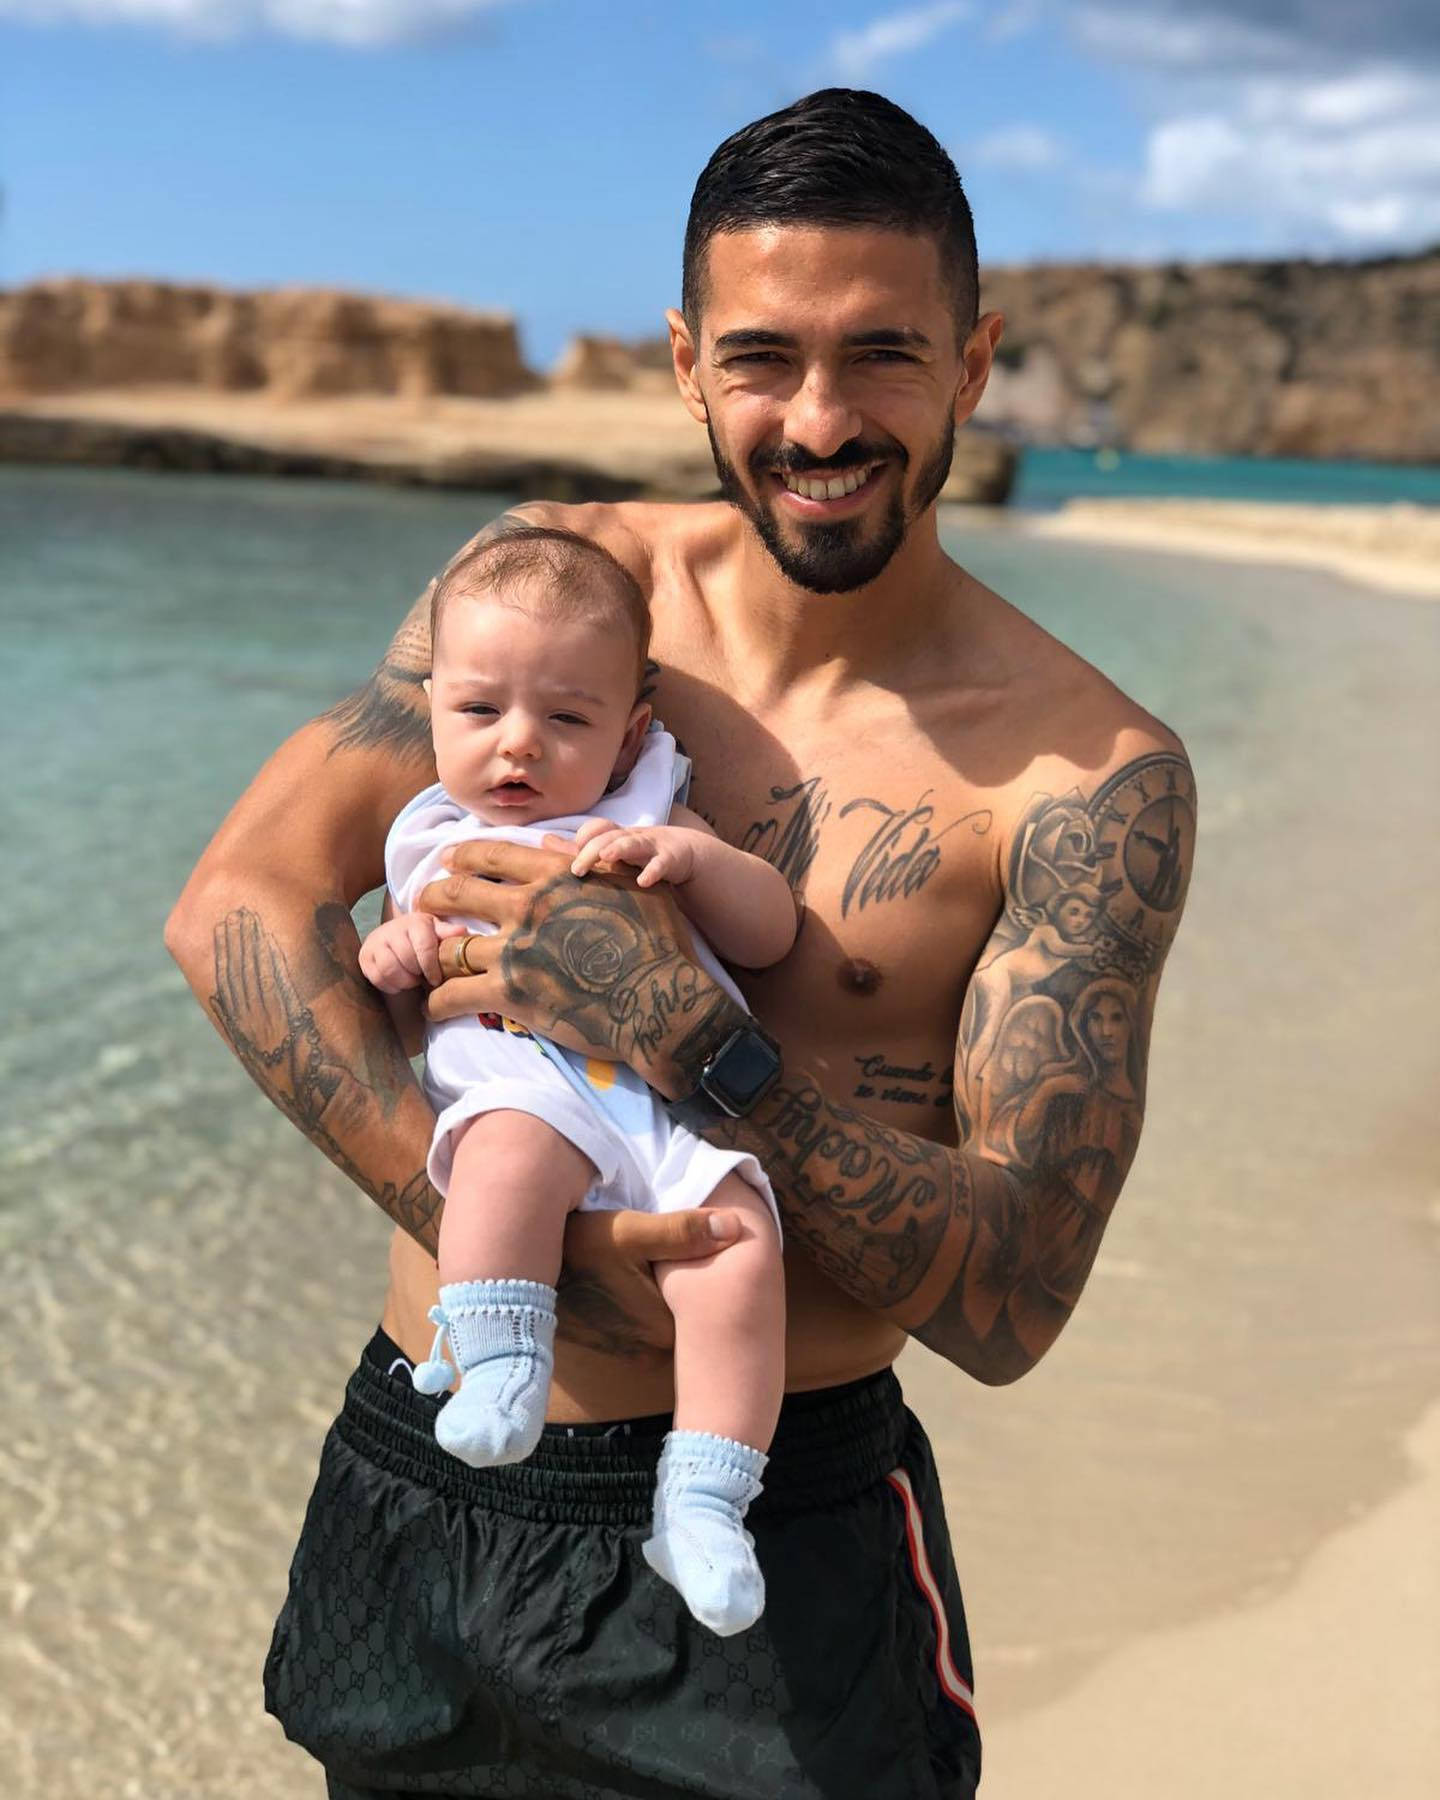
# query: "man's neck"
[[777, 636]]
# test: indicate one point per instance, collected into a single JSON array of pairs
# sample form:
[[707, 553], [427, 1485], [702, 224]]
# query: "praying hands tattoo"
[[981, 1250]]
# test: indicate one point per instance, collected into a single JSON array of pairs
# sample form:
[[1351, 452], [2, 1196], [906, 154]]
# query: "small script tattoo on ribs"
[[903, 1084]]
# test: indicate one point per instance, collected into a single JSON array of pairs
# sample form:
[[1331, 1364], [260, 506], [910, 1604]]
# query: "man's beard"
[[834, 559]]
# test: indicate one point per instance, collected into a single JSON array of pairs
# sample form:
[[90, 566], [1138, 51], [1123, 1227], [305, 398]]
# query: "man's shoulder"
[[637, 533], [1070, 729]]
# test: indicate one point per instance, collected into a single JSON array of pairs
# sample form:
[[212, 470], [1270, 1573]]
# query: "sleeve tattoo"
[[1049, 1090]]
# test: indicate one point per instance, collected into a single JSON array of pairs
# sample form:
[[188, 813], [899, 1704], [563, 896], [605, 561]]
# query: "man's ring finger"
[[460, 963]]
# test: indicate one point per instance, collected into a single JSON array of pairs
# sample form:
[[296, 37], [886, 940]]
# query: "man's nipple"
[[857, 976]]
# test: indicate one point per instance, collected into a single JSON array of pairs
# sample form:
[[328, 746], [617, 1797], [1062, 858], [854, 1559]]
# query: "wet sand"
[[1393, 547]]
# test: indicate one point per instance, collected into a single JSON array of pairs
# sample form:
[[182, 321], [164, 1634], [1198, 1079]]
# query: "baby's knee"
[[516, 1147]]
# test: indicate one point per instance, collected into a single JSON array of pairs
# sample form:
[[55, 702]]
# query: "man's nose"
[[820, 417]]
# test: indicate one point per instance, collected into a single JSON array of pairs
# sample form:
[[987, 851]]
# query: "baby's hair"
[[583, 582]]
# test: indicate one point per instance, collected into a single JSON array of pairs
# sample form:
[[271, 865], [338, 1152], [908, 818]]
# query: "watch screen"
[[746, 1067]]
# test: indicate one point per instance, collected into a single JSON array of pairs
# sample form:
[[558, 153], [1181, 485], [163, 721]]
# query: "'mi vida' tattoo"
[[790, 837], [902, 852], [901, 1084], [260, 1009]]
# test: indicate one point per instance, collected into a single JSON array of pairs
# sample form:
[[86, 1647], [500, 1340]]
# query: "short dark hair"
[[842, 156], [584, 581]]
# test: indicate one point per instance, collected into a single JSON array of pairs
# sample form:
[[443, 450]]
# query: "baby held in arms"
[[539, 640]]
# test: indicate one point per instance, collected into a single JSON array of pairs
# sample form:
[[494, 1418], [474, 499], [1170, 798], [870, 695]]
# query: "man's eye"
[[754, 356], [887, 356]]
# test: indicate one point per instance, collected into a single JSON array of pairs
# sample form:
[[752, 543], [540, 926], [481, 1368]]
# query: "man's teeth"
[[833, 487]]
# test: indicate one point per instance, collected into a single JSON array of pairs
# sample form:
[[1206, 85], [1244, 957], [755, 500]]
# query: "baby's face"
[[530, 720]]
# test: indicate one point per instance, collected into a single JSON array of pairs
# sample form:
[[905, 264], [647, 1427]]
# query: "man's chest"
[[892, 852]]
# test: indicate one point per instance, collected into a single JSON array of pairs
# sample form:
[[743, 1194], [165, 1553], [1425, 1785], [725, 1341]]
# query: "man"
[[935, 775]]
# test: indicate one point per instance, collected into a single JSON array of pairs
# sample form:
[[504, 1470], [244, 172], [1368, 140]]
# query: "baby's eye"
[[479, 710], [569, 719]]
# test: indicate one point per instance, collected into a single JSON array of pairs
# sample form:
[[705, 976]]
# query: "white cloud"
[[1357, 156], [1025, 147], [854, 54], [356, 23]]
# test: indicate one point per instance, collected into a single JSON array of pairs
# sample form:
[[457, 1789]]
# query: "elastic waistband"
[[830, 1446]]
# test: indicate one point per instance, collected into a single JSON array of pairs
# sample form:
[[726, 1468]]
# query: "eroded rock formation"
[[295, 343], [1257, 358]]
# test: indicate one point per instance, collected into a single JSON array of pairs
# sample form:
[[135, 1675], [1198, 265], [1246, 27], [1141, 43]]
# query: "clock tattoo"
[[1144, 837]]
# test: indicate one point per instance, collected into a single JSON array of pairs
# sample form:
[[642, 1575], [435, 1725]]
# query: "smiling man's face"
[[828, 372]]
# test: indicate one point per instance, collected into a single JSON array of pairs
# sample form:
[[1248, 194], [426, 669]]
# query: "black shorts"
[[496, 1632]]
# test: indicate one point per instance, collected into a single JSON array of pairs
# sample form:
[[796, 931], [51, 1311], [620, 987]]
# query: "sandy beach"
[[1392, 547], [1332, 1687]]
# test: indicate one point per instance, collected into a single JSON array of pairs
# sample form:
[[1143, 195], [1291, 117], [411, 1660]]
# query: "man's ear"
[[682, 354], [630, 744], [977, 359]]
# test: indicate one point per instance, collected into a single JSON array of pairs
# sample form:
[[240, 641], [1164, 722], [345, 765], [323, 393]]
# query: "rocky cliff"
[[1255, 358], [294, 343]]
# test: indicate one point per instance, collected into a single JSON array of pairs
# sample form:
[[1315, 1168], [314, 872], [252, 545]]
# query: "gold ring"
[[460, 957]]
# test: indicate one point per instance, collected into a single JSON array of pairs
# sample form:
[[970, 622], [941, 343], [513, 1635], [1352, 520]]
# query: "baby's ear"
[[426, 685], [634, 737]]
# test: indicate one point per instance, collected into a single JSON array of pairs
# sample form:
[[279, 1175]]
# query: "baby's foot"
[[700, 1546], [502, 1336]]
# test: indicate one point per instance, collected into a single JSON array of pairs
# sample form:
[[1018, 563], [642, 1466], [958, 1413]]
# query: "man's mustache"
[[792, 459]]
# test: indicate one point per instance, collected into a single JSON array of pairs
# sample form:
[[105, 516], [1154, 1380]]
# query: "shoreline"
[[553, 443], [1327, 1686], [1395, 547]]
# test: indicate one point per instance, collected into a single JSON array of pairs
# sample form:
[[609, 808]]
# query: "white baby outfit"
[[482, 1063]]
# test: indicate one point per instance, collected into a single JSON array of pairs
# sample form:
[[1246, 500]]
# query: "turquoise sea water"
[[186, 1282], [1048, 478]]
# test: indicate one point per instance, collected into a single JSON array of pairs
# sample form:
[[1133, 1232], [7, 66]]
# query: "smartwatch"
[[734, 1080]]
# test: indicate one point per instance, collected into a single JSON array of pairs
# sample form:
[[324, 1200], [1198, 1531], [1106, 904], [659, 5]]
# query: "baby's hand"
[[660, 852], [404, 951]]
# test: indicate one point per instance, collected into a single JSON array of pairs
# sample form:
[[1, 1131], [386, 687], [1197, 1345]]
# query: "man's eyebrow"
[[882, 337], [887, 337]]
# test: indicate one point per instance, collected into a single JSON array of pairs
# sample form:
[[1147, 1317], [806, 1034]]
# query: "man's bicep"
[[1054, 1036]]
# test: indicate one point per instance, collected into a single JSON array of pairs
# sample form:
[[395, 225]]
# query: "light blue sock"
[[699, 1546], [502, 1336]]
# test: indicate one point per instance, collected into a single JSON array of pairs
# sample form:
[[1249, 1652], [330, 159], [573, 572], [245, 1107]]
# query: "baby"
[[539, 641]]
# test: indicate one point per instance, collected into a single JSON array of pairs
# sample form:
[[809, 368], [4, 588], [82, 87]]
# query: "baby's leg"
[[513, 1181], [729, 1378]]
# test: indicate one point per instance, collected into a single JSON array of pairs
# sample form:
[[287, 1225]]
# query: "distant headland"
[[1258, 358]]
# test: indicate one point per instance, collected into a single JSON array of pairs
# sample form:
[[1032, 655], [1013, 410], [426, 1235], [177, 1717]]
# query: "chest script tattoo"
[[902, 852], [790, 837]]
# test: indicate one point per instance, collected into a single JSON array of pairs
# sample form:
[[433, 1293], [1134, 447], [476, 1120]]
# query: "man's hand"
[[659, 852], [608, 1297], [404, 952], [598, 965]]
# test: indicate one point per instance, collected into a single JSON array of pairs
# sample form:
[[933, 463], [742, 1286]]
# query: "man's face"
[[829, 364]]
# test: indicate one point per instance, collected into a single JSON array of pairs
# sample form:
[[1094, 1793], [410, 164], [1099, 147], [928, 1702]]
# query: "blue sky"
[[538, 155]]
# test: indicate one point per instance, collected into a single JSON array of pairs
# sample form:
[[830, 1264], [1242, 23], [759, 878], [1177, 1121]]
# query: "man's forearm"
[[980, 1264], [278, 975]]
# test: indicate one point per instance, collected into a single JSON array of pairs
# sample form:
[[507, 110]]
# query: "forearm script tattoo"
[[1049, 1089]]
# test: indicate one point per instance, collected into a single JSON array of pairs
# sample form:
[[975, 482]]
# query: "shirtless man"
[[931, 770]]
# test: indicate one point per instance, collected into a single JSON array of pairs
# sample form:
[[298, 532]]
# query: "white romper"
[[479, 1064]]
